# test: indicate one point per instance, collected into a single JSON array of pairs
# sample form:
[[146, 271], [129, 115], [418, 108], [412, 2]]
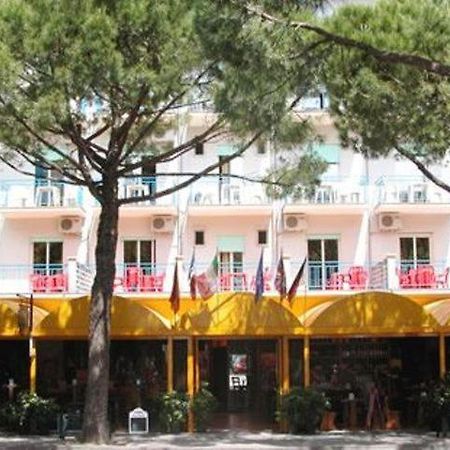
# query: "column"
[[285, 365], [33, 365], [196, 366], [169, 364], [442, 361], [306, 361], [190, 379]]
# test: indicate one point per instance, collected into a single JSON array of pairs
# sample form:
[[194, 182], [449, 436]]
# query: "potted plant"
[[203, 405], [173, 411], [438, 410], [29, 414], [302, 410]]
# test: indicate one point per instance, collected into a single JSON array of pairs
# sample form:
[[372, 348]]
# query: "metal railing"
[[138, 186], [226, 191], [39, 193], [335, 190], [409, 189]]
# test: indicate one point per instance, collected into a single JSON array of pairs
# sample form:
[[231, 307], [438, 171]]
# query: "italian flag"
[[207, 281]]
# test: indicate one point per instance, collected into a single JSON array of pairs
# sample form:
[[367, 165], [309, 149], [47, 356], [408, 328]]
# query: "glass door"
[[323, 260], [231, 271], [414, 251]]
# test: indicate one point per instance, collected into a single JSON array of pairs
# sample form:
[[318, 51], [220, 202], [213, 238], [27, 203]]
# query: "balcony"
[[226, 194], [40, 196], [136, 278], [406, 193], [139, 186], [335, 194]]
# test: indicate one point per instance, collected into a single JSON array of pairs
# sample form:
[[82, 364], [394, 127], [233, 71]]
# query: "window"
[[47, 257], [262, 237], [140, 253], [414, 251], [261, 148], [199, 148], [323, 260], [199, 238]]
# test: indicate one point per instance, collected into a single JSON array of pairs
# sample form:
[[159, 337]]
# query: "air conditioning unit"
[[70, 225], [389, 222], [294, 222], [163, 224]]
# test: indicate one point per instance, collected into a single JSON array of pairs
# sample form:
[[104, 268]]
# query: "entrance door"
[[243, 376], [323, 260]]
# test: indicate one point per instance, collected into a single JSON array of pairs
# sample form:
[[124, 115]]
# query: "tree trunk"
[[95, 418]]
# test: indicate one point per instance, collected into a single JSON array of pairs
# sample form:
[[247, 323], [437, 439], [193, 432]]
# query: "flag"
[[259, 282], [280, 278], [293, 289], [175, 294], [192, 277], [207, 281]]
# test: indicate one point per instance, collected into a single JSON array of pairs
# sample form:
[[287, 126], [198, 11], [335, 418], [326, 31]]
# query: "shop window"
[[414, 251], [262, 237], [199, 238], [47, 257]]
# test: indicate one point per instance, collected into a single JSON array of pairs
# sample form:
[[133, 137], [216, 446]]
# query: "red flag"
[[293, 289], [175, 294], [280, 279]]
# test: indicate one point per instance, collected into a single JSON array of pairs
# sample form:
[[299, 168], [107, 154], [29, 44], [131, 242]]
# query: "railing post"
[[72, 275], [392, 281]]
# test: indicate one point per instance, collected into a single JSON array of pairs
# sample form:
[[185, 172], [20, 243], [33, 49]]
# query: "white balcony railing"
[[40, 193], [139, 186], [226, 191], [400, 190]]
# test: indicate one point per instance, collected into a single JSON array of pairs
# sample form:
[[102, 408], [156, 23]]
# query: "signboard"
[[237, 382], [138, 421], [237, 376]]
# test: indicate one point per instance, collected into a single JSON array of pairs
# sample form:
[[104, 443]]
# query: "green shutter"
[[230, 243], [225, 150], [328, 152]]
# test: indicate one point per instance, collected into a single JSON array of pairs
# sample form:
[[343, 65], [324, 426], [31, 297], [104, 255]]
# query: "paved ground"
[[239, 440]]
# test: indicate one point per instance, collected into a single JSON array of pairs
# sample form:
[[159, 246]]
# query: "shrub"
[[173, 410], [302, 409], [29, 414], [203, 405]]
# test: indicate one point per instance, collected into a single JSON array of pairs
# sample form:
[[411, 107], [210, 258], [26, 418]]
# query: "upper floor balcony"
[[226, 193], [138, 186], [406, 193], [339, 195], [40, 196]]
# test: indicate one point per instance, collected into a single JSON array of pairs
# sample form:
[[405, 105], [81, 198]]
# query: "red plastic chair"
[[59, 282], [358, 277], [412, 274], [426, 277], [336, 281], [403, 279], [158, 282], [225, 282], [148, 283], [267, 281], [132, 279], [37, 282]]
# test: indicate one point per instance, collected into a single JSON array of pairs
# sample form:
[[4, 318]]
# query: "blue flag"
[[259, 282]]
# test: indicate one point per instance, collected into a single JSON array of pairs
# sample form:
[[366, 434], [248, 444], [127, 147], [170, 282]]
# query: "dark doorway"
[[243, 376]]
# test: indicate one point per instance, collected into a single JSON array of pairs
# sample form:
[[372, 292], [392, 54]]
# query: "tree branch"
[[386, 56], [421, 166]]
